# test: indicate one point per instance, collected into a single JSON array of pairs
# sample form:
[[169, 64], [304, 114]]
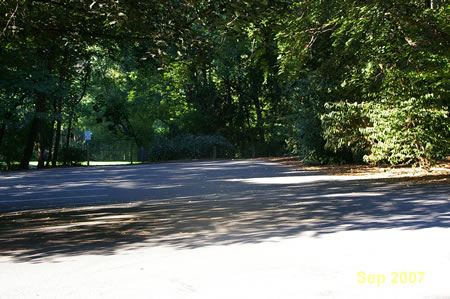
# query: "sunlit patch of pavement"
[[301, 267], [228, 229]]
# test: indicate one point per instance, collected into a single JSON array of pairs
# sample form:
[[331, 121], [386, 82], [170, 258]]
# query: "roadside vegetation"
[[332, 82]]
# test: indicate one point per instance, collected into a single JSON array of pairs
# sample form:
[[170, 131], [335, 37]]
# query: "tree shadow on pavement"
[[240, 212]]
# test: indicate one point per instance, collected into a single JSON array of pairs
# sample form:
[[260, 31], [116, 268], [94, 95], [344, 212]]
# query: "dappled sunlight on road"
[[299, 179], [188, 207], [245, 217]]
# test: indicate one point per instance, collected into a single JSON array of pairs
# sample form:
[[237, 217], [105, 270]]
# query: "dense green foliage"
[[373, 79], [332, 81]]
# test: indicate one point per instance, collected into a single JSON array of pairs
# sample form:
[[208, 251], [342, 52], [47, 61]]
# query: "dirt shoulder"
[[437, 174]]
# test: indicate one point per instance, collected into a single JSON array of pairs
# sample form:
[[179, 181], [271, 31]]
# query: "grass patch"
[[33, 164], [108, 163]]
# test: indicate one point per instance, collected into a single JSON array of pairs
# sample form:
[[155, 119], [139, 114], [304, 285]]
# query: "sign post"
[[131, 154], [87, 138]]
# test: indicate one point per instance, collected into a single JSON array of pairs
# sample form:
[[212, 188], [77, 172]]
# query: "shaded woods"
[[331, 81]]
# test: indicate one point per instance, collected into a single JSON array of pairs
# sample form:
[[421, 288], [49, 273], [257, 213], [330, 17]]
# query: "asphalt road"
[[80, 187], [220, 229]]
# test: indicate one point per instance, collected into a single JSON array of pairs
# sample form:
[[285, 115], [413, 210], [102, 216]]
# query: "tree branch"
[[10, 18], [85, 79]]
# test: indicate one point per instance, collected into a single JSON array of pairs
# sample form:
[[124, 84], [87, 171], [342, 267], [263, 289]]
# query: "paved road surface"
[[223, 229]]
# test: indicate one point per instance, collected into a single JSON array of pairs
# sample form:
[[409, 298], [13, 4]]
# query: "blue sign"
[[87, 135]]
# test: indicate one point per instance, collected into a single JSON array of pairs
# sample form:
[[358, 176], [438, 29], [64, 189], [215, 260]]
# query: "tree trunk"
[[50, 144], [433, 4], [2, 132], [229, 104], [40, 138], [55, 137], [40, 149], [57, 141], [259, 120], [69, 129], [35, 135], [8, 164], [28, 152], [69, 132]]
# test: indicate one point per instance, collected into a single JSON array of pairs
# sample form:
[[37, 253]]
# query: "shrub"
[[394, 132], [188, 146], [73, 156], [342, 126], [408, 132]]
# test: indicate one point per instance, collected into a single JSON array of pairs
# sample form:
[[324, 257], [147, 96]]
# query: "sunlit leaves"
[[385, 68]]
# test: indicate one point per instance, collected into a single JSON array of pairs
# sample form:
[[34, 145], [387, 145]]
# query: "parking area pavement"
[[220, 229]]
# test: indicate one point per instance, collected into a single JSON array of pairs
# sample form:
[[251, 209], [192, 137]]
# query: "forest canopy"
[[331, 81]]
